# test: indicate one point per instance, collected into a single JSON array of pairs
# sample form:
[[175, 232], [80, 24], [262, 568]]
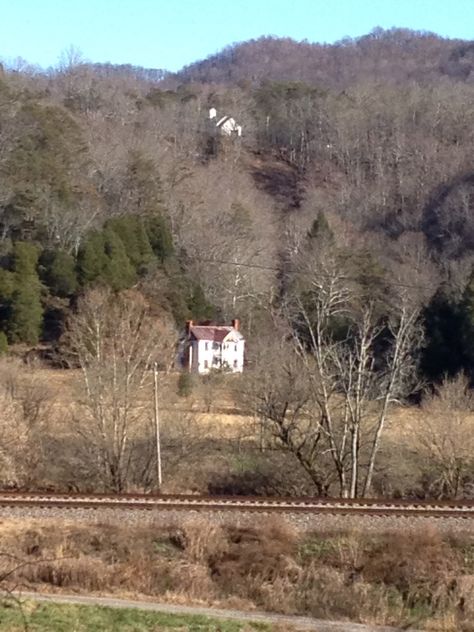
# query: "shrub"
[[3, 343], [415, 564], [185, 384]]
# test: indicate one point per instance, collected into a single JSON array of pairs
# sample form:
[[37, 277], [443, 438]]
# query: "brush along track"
[[308, 505]]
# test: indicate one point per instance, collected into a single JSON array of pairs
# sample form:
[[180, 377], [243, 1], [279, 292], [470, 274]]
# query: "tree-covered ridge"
[[119, 179], [397, 55]]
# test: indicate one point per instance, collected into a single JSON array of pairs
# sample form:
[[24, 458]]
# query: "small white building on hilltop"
[[214, 347], [226, 124]]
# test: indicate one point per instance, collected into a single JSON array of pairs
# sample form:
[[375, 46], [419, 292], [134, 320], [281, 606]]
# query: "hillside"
[[395, 56], [375, 133], [339, 228]]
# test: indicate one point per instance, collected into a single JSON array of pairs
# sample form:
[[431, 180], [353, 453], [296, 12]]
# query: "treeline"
[[38, 286], [396, 55], [63, 230]]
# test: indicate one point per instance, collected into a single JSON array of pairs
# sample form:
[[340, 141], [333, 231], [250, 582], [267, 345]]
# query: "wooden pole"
[[157, 426]]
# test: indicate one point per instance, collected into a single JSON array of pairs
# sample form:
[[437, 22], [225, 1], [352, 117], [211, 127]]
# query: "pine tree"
[[7, 286], [118, 273], [466, 310], [91, 258], [143, 184], [320, 229], [160, 237], [59, 272], [26, 315], [199, 307], [446, 347], [133, 235]]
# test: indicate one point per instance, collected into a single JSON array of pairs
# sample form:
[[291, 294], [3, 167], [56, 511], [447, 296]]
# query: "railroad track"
[[308, 505]]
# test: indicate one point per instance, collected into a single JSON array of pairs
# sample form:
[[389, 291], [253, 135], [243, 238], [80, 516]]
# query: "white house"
[[226, 124], [214, 347]]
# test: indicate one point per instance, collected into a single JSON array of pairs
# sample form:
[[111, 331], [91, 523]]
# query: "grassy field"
[[422, 579], [42, 617], [210, 442]]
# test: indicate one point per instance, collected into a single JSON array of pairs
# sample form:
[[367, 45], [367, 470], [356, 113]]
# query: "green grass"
[[48, 617], [317, 548]]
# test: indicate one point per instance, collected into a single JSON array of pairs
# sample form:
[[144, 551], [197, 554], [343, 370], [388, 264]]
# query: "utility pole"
[[157, 425]]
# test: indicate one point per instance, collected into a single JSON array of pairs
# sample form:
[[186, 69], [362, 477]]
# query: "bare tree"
[[353, 337], [115, 341], [444, 435], [229, 234], [280, 392]]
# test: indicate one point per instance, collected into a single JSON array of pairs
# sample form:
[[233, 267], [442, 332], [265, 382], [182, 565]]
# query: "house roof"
[[214, 333], [223, 120]]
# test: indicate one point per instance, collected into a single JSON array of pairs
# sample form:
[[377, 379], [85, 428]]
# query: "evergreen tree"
[[447, 330], [118, 272], [91, 258], [103, 258], [7, 286], [45, 163], [198, 305], [320, 229], [160, 237], [143, 185], [59, 272], [466, 312], [26, 315], [131, 230]]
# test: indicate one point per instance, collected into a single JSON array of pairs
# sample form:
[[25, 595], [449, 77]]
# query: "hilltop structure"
[[226, 124]]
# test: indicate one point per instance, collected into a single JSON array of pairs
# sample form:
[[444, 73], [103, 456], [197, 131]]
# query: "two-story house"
[[210, 347]]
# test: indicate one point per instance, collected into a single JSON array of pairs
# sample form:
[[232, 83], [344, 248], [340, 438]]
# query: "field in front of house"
[[216, 410], [210, 444]]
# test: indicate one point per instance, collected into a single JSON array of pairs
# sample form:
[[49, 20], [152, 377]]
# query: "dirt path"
[[296, 623]]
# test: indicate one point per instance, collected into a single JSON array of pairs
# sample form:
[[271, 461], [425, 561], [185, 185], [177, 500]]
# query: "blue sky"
[[171, 33]]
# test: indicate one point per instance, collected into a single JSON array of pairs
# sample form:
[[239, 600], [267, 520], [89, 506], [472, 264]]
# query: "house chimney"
[[236, 324], [189, 324]]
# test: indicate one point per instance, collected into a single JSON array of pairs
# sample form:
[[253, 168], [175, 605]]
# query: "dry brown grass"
[[215, 451], [393, 579], [224, 413]]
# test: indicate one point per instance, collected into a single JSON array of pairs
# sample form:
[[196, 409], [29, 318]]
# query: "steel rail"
[[369, 507]]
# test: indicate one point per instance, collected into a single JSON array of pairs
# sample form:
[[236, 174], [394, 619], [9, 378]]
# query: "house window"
[[235, 364], [215, 345], [235, 347], [206, 346], [206, 364]]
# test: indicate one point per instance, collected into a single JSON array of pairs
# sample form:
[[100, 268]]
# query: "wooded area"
[[339, 229]]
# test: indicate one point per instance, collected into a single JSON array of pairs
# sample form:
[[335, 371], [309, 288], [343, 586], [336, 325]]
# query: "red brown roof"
[[213, 333]]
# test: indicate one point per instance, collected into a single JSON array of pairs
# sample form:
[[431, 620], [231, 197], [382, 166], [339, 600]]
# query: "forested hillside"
[[114, 176], [394, 56], [339, 228]]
